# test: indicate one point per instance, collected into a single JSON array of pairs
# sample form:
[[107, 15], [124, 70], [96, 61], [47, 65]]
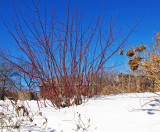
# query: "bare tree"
[[8, 76], [28, 82]]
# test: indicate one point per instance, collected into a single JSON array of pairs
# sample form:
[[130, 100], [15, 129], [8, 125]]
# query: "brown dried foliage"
[[138, 49], [137, 59], [143, 47], [148, 61], [133, 65], [121, 52], [130, 53], [158, 36]]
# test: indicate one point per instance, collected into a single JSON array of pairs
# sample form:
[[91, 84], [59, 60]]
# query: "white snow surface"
[[134, 112]]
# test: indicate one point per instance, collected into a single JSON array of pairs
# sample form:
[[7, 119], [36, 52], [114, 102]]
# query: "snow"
[[109, 113]]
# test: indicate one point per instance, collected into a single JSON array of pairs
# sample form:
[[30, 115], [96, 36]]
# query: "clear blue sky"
[[127, 11]]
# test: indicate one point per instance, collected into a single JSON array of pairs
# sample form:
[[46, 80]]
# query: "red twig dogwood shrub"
[[64, 57]]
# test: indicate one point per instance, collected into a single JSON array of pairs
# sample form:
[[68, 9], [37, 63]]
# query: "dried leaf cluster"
[[134, 59]]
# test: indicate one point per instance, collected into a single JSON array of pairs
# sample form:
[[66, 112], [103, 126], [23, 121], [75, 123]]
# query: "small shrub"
[[81, 123], [11, 94], [24, 95]]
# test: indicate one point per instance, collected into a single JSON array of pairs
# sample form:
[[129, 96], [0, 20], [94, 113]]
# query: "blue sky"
[[127, 11]]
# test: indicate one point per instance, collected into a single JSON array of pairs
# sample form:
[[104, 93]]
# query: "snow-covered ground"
[[109, 113]]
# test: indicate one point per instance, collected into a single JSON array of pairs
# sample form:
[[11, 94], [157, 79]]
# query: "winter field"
[[110, 113]]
